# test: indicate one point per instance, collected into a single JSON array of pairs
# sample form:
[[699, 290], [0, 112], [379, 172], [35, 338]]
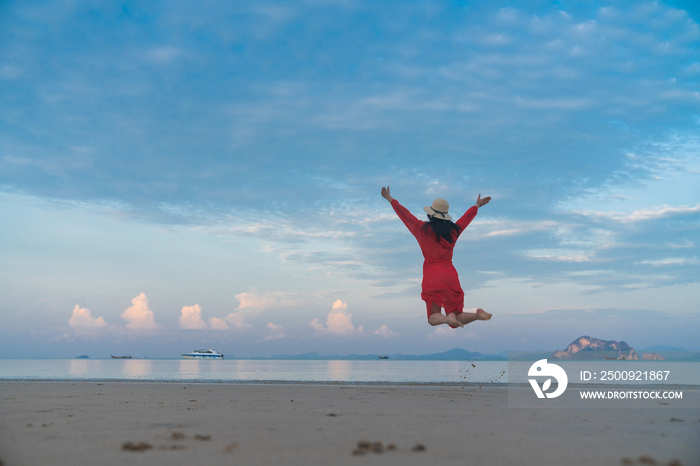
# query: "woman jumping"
[[437, 237]]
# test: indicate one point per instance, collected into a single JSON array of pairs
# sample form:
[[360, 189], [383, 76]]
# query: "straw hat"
[[439, 209]]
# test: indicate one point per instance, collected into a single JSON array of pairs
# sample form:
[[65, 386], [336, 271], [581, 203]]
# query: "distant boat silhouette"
[[121, 357], [383, 357]]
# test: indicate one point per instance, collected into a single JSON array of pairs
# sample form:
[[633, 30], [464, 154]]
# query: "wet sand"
[[88, 423]]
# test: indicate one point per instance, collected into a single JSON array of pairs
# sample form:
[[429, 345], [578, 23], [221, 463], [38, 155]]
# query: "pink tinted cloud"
[[385, 332], [217, 324], [82, 318], [338, 321], [276, 332], [191, 318], [139, 316]]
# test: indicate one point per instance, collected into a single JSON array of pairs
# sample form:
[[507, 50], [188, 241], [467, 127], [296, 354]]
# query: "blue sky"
[[185, 174]]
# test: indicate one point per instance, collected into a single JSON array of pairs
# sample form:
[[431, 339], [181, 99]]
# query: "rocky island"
[[586, 347]]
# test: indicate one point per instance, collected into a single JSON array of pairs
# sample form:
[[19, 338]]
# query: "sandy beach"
[[87, 423]]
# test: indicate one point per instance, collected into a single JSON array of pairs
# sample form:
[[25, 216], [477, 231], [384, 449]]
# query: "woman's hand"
[[482, 202], [386, 194]]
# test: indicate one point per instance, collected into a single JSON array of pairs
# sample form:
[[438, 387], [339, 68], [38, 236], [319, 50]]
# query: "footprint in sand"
[[645, 459], [364, 447], [136, 446]]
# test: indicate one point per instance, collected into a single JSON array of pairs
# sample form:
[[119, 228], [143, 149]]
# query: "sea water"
[[295, 371], [242, 370]]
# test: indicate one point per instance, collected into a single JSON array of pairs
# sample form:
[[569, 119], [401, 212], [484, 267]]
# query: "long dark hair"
[[445, 229]]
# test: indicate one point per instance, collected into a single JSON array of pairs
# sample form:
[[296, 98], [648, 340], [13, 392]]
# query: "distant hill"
[[455, 354], [584, 347]]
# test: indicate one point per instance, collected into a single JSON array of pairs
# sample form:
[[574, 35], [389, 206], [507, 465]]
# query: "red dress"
[[440, 279]]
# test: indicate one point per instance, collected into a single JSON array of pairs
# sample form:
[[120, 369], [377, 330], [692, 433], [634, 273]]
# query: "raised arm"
[[469, 215], [412, 223]]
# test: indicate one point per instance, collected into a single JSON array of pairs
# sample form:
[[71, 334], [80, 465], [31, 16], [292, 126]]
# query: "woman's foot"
[[453, 322], [482, 315]]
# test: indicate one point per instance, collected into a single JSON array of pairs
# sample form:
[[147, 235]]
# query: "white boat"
[[203, 354]]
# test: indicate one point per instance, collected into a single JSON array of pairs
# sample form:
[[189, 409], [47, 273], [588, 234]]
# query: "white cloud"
[[340, 323], [441, 332], [511, 232], [191, 318], [495, 39], [673, 261], [217, 324], [340, 305], [385, 332], [337, 323], [566, 103], [236, 320], [558, 255], [82, 318], [139, 316], [276, 332], [506, 227], [650, 213], [252, 303], [685, 244], [263, 301], [316, 324]]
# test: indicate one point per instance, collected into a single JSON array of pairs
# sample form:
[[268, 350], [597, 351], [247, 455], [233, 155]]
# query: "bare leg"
[[469, 317], [437, 317]]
